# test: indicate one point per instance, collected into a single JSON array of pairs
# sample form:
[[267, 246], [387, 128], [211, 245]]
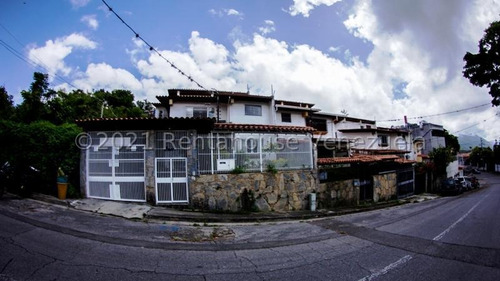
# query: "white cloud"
[[103, 76], [226, 12], [418, 44], [79, 3], [422, 43], [52, 54], [90, 21], [267, 28], [304, 7], [232, 12]]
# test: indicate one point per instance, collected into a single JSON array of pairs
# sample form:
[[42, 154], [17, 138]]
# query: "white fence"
[[226, 152]]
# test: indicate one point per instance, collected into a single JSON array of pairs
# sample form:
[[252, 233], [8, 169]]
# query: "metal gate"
[[116, 173], [406, 183], [365, 189], [171, 180]]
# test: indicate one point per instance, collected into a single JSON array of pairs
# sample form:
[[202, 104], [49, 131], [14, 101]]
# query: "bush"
[[44, 146]]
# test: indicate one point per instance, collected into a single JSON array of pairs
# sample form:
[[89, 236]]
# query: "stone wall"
[[338, 193], [281, 191], [384, 186]]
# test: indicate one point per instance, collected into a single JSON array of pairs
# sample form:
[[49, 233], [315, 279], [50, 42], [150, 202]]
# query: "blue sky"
[[374, 59]]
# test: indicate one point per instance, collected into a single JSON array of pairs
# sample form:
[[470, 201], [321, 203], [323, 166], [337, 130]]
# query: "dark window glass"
[[253, 110], [200, 112], [384, 141], [286, 117]]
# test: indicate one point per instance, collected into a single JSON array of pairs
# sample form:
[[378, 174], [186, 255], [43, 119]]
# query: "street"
[[449, 238]]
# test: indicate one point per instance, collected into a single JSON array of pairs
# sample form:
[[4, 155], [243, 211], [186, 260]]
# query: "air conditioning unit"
[[225, 164]]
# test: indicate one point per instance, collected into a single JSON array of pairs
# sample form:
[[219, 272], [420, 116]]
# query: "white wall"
[[297, 119], [362, 140], [452, 169], [237, 114]]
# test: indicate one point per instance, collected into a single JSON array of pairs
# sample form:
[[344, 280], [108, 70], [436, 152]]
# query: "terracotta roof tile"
[[358, 159], [262, 128]]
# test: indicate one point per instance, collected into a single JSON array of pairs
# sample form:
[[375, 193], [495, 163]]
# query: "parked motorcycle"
[[475, 182], [19, 179]]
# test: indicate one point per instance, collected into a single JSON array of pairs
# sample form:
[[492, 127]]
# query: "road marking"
[[437, 238], [386, 269]]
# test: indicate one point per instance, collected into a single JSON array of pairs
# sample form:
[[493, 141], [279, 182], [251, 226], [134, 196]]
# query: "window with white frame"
[[200, 112], [253, 110]]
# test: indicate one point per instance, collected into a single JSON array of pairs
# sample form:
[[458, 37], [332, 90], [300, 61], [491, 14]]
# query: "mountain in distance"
[[467, 142]]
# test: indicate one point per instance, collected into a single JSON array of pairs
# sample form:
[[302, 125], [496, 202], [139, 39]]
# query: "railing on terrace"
[[225, 152]]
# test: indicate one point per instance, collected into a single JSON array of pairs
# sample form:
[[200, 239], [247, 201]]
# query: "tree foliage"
[[441, 157], [483, 68], [41, 131], [451, 142], [6, 104], [481, 157]]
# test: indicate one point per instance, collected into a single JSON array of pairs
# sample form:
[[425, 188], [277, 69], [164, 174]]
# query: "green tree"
[[482, 157], [441, 157], [451, 142], [34, 106], [483, 68], [6, 104]]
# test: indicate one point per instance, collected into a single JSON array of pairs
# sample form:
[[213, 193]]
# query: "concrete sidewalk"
[[142, 211]]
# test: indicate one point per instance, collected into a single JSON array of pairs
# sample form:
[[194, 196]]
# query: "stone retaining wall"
[[281, 191], [338, 193], [384, 186]]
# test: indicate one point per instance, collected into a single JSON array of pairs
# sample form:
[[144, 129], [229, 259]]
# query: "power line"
[[438, 114], [474, 125], [38, 63], [32, 62], [151, 48]]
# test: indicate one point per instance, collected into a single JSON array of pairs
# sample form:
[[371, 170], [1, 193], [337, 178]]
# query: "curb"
[[162, 214], [158, 214]]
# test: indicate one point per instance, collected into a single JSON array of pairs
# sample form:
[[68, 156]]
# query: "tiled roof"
[[136, 118], [197, 93], [367, 151], [372, 130], [404, 161], [294, 103], [262, 128], [357, 159]]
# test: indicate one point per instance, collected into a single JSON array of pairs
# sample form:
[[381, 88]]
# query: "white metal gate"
[[116, 173], [171, 180]]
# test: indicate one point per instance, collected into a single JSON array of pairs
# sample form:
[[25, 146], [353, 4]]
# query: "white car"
[[466, 182]]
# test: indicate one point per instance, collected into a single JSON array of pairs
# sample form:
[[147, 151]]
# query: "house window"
[[253, 110], [318, 124], [200, 112], [383, 141], [286, 117]]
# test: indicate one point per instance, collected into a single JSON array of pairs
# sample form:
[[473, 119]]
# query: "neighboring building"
[[338, 136], [330, 140], [426, 136], [349, 180]]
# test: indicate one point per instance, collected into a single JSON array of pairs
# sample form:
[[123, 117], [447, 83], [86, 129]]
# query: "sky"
[[378, 60]]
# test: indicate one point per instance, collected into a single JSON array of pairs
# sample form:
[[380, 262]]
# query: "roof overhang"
[[202, 125]]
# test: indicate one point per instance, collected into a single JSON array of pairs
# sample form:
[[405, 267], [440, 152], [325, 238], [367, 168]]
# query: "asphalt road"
[[451, 238]]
